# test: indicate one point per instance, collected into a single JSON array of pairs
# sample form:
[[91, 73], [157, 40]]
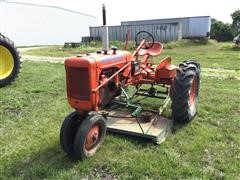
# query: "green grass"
[[33, 108], [60, 51], [211, 55]]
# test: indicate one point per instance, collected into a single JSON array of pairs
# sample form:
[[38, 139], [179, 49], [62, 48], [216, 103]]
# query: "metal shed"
[[192, 27], [162, 32]]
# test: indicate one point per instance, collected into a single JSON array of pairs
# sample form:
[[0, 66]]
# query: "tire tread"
[[180, 90], [6, 42]]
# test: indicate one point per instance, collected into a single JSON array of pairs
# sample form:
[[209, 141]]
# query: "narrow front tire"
[[90, 136]]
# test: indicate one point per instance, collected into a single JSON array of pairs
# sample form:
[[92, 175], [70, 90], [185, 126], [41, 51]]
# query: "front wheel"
[[90, 136], [68, 131], [185, 91]]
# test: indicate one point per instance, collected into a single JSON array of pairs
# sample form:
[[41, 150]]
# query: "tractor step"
[[156, 129]]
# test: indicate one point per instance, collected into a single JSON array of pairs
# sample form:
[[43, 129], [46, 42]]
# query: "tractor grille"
[[78, 83]]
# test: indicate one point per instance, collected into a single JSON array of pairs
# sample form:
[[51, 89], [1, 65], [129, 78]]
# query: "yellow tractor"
[[9, 61]]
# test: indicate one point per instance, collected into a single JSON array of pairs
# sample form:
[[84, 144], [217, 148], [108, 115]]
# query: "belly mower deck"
[[148, 124], [156, 129]]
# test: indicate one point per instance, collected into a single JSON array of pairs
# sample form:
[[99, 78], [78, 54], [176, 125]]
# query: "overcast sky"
[[125, 10]]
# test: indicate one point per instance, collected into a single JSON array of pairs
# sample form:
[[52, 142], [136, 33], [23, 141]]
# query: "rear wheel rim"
[[92, 138], [6, 62], [192, 92]]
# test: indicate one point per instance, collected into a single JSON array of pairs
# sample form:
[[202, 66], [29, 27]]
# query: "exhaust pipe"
[[105, 40], [104, 15]]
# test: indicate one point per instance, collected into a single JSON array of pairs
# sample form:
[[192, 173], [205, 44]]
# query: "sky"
[[126, 10]]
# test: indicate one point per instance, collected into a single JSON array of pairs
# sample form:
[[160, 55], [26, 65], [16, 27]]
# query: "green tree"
[[236, 22], [221, 31]]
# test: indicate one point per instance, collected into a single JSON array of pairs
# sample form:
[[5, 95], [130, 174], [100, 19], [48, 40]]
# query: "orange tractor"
[[98, 89]]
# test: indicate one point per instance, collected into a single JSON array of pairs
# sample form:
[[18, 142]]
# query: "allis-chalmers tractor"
[[9, 61], [104, 89]]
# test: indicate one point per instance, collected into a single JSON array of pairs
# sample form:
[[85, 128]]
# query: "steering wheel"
[[144, 35]]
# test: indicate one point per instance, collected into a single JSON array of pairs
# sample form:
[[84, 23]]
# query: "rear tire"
[[9, 61], [185, 91], [90, 136]]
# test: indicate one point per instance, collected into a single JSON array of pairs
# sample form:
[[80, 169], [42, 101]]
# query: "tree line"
[[225, 31]]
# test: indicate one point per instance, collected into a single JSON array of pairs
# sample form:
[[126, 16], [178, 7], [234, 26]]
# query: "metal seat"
[[155, 50], [165, 69]]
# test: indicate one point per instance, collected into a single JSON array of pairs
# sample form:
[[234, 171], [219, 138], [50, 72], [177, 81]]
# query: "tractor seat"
[[155, 50], [165, 69]]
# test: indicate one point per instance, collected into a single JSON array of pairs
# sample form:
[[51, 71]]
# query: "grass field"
[[33, 108]]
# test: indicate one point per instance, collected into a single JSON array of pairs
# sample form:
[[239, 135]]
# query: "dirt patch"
[[43, 59]]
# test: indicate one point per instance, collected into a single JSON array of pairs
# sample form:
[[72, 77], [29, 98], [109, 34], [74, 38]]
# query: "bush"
[[221, 31]]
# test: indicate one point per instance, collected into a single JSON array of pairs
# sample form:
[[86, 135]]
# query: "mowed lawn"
[[33, 108]]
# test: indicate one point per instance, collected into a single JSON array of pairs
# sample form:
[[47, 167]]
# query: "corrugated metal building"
[[31, 24], [192, 27], [162, 32]]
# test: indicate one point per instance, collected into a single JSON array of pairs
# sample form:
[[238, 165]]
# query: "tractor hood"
[[100, 59]]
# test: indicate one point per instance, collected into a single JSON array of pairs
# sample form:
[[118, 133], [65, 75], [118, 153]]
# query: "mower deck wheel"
[[90, 136], [68, 131], [185, 91]]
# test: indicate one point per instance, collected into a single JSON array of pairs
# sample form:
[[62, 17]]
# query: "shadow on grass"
[[145, 142], [177, 126], [44, 163], [135, 140]]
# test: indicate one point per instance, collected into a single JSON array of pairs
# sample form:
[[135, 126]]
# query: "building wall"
[[29, 24], [199, 27], [161, 32], [191, 26]]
